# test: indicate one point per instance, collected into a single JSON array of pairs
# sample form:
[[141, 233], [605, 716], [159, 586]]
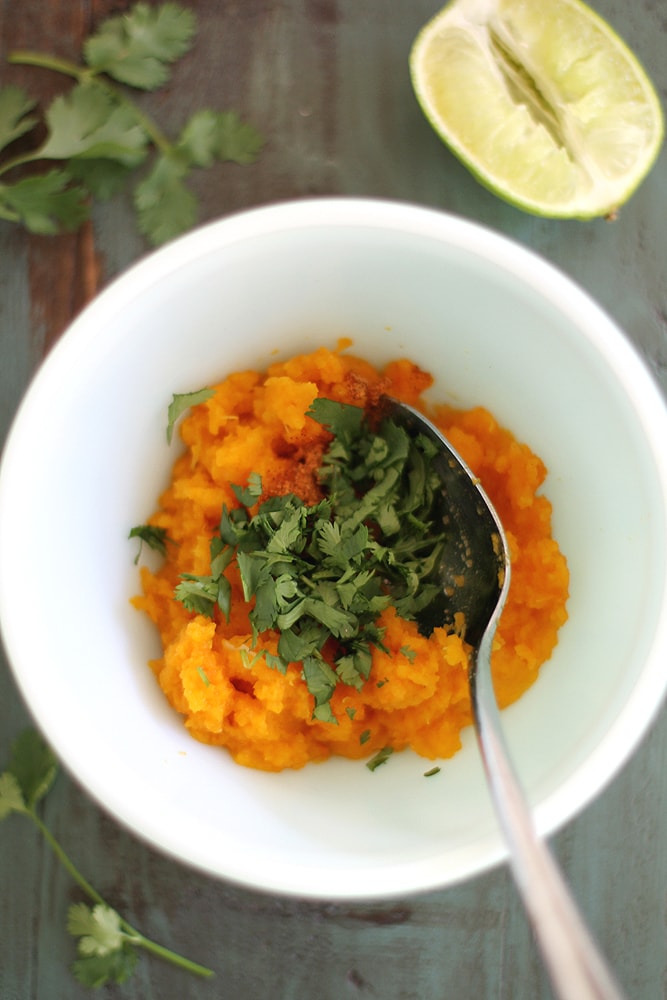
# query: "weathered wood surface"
[[326, 81]]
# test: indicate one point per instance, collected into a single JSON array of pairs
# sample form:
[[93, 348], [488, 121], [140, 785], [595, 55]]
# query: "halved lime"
[[541, 100]]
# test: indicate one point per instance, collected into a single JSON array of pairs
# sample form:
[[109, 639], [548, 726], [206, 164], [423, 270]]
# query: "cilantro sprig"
[[321, 574], [99, 136], [107, 944]]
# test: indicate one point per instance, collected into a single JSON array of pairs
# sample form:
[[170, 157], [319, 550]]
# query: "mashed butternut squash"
[[417, 692]]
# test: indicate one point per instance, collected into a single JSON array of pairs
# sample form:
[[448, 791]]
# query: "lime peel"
[[541, 100]]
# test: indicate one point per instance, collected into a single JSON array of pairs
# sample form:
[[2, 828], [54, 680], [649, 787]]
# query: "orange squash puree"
[[256, 423]]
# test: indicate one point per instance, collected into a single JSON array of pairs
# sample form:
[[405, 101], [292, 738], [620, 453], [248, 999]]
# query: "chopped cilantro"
[[201, 594], [182, 401], [381, 757], [155, 538], [320, 574], [247, 497]]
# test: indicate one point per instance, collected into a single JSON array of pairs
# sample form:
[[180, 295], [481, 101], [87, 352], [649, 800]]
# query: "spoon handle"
[[573, 960]]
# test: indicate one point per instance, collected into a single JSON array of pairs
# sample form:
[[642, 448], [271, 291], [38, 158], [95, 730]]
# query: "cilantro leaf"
[[340, 623], [102, 178], [99, 928], [343, 542], [15, 118], [320, 678], [288, 536], [344, 421], [251, 492], [218, 135], [45, 203], [236, 140], [295, 646], [253, 574], [97, 970], [224, 595], [197, 593], [265, 613], [275, 662], [221, 556], [156, 538], [136, 48], [199, 140], [86, 123], [182, 401], [33, 765], [164, 204], [324, 713], [11, 796], [348, 671]]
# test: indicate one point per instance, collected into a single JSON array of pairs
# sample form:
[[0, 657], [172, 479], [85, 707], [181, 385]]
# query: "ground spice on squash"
[[417, 692]]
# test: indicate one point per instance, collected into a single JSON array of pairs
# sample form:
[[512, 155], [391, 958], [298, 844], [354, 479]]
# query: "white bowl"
[[87, 456]]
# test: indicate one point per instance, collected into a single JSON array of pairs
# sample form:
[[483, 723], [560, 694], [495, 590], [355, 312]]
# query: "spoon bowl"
[[475, 577], [475, 567]]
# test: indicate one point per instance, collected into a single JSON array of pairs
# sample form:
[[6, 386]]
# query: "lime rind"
[[541, 101]]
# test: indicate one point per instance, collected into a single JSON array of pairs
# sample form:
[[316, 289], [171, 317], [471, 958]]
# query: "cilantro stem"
[[65, 861], [83, 74], [166, 953], [19, 161], [137, 938], [22, 57], [155, 134]]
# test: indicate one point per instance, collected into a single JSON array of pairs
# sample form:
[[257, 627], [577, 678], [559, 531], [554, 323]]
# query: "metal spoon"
[[475, 574]]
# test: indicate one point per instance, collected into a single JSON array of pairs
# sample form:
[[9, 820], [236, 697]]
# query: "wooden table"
[[326, 81]]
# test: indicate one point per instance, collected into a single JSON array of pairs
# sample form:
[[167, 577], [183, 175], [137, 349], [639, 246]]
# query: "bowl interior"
[[87, 458]]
